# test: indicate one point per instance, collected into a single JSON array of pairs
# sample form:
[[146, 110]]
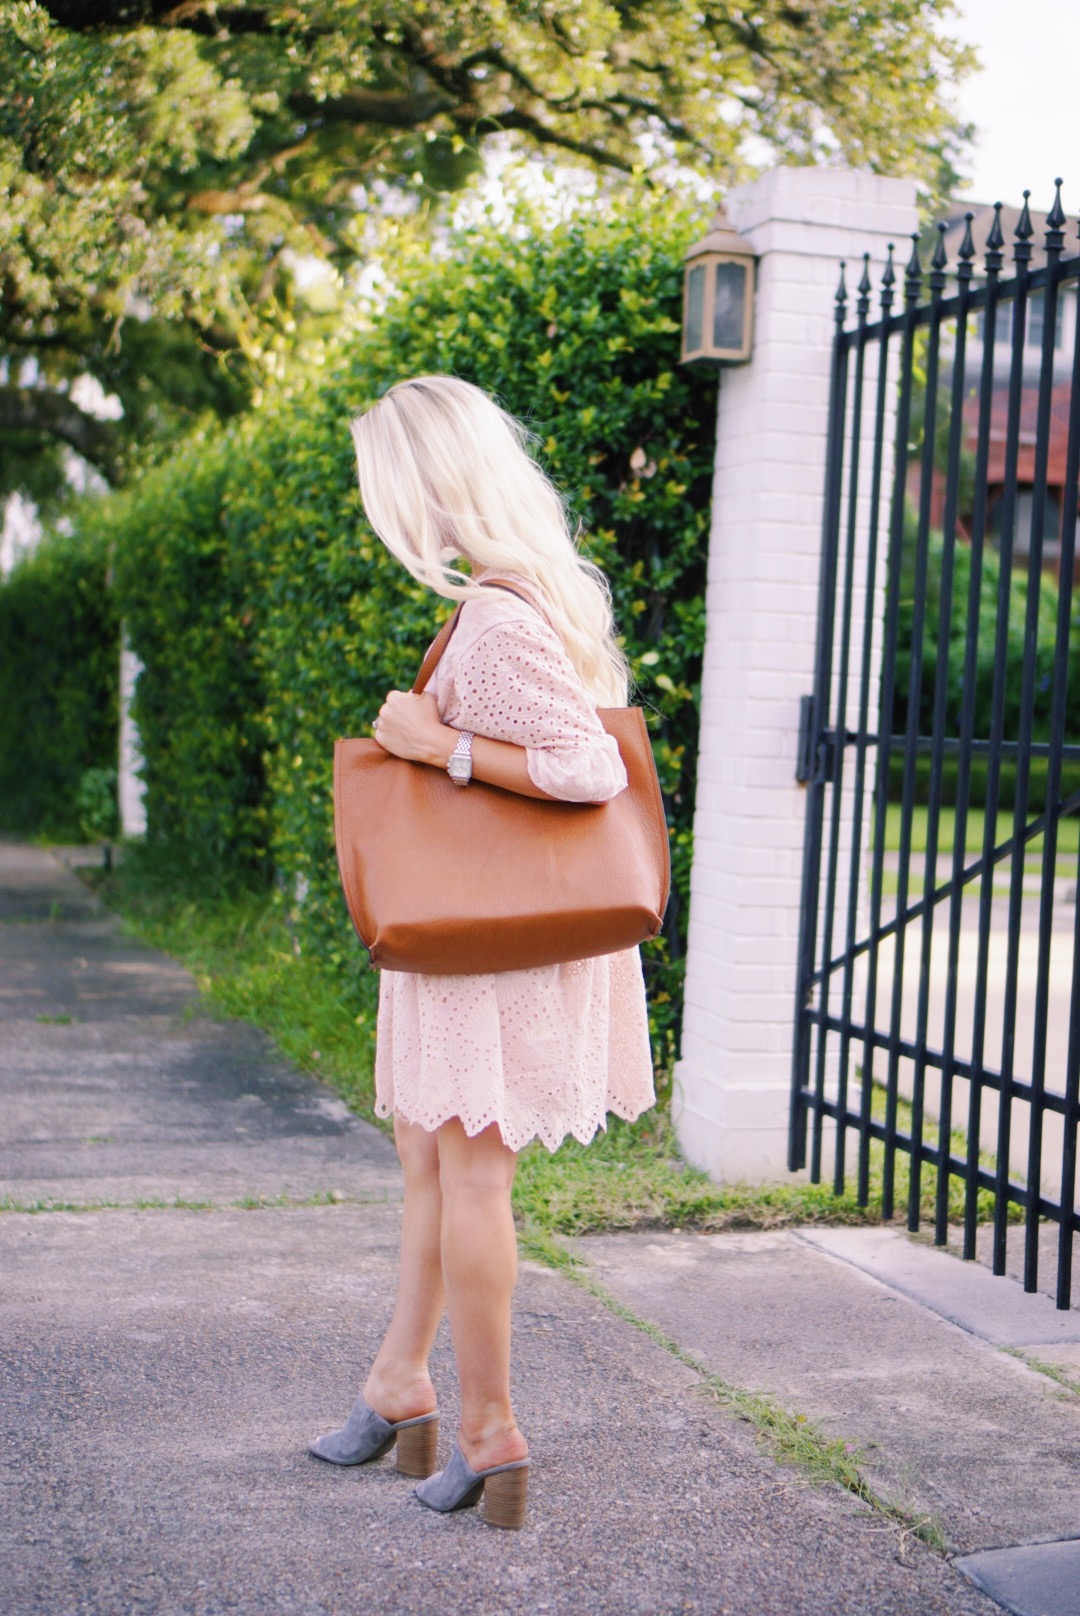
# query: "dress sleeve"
[[516, 683]]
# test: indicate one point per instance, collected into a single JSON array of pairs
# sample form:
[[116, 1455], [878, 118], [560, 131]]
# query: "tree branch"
[[544, 135], [37, 409], [194, 16], [383, 107], [455, 80], [240, 200]]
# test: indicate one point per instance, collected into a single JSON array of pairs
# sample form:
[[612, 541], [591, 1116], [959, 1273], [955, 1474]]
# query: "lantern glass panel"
[[729, 306], [695, 309]]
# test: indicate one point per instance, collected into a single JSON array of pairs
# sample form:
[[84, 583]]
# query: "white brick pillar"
[[732, 1084]]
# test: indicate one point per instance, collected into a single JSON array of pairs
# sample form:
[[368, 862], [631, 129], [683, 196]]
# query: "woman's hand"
[[409, 726]]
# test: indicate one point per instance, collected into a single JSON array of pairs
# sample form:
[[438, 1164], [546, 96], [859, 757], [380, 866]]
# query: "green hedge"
[[985, 650], [59, 672], [186, 594], [271, 621]]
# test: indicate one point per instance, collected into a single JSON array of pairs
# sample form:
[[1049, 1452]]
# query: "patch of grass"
[[9, 1203], [1068, 832], [55, 1021], [322, 1017], [791, 1438], [245, 1203], [632, 1177], [1051, 1371]]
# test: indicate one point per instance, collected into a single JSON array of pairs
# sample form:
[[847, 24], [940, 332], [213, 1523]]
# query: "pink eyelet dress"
[[546, 1052]]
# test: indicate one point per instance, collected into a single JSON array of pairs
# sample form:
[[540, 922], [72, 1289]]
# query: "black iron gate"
[[938, 1011]]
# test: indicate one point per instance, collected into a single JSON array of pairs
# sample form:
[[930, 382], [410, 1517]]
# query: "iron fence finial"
[[913, 271], [1024, 232], [1055, 224], [888, 281], [995, 243], [939, 262], [966, 251], [863, 305], [1024, 228]]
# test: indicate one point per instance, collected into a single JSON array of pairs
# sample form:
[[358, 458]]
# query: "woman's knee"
[[417, 1148], [480, 1164]]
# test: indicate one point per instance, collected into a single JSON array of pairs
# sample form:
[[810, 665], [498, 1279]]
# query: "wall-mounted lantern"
[[718, 297]]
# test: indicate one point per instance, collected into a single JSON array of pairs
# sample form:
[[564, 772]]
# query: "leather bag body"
[[446, 879]]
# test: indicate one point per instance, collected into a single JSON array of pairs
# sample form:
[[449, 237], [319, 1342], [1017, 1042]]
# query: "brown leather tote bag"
[[449, 879]]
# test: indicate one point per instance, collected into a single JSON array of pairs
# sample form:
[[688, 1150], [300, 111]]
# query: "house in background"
[[1064, 341]]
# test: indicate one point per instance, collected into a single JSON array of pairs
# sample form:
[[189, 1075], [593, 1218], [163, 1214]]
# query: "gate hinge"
[[815, 761]]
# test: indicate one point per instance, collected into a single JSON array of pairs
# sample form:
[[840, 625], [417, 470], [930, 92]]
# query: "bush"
[[985, 662], [186, 595], [271, 621], [985, 647], [59, 676], [96, 805]]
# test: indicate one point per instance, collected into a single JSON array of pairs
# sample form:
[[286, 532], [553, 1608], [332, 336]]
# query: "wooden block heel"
[[459, 1486], [416, 1445], [504, 1498], [366, 1436]]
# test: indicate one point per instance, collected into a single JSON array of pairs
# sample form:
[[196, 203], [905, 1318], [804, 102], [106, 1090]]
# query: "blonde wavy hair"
[[446, 475]]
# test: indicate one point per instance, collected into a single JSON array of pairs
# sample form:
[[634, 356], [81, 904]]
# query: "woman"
[[473, 1067]]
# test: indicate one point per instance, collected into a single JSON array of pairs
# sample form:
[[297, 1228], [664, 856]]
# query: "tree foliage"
[[160, 163]]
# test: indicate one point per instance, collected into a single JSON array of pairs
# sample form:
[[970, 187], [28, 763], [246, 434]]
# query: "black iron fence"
[[938, 1013]]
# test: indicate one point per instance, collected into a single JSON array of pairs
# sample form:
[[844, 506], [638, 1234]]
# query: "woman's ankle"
[[399, 1394], [485, 1445]]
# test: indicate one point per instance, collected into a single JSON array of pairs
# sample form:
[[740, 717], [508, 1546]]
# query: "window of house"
[[1025, 510], [1036, 321]]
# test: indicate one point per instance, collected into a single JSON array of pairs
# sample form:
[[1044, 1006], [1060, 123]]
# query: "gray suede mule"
[[366, 1436], [504, 1488]]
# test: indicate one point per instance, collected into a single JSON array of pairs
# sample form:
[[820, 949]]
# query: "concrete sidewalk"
[[164, 1367]]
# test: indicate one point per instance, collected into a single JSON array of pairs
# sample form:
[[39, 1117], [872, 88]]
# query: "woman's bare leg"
[[399, 1385], [479, 1263]]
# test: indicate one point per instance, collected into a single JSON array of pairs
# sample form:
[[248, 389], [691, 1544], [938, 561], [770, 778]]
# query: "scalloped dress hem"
[[550, 1140]]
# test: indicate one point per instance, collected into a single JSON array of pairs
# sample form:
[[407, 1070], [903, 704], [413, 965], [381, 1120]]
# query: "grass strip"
[[1051, 1371], [1068, 830], [322, 1017], [791, 1439], [182, 1203]]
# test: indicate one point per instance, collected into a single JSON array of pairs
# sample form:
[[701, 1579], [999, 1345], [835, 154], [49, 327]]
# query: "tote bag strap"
[[435, 651]]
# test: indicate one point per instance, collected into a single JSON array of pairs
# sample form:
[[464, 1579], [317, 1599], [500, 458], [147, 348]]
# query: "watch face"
[[460, 768]]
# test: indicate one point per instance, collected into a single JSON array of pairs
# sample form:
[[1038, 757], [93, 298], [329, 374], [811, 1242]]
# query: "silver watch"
[[459, 765]]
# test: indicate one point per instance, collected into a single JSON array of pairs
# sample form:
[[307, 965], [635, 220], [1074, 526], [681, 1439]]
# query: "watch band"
[[459, 764]]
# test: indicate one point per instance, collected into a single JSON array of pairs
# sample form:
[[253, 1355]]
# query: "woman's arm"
[[409, 726]]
